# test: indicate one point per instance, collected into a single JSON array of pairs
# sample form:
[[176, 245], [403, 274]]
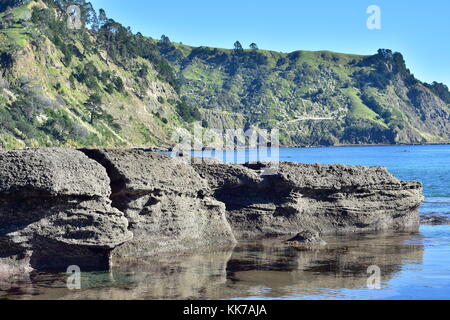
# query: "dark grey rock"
[[435, 220], [61, 207]]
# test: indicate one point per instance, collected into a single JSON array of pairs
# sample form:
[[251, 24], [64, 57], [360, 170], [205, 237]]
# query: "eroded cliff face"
[[62, 207]]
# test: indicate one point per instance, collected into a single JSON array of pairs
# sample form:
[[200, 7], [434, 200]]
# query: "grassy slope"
[[138, 114]]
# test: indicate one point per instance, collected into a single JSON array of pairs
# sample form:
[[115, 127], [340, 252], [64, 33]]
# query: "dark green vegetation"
[[103, 85]]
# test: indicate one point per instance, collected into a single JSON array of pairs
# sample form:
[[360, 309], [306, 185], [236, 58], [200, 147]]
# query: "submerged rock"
[[306, 239], [435, 220]]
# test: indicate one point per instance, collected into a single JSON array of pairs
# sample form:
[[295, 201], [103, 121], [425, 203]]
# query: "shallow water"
[[413, 265]]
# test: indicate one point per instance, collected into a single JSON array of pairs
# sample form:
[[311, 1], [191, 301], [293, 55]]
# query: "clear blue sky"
[[418, 29]]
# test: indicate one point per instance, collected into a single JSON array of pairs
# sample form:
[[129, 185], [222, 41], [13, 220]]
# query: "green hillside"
[[321, 97], [103, 85]]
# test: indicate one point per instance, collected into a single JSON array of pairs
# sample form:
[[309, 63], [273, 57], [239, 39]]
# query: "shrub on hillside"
[[187, 112]]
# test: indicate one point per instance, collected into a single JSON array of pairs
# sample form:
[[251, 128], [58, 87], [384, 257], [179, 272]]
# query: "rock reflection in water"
[[266, 269], [288, 272]]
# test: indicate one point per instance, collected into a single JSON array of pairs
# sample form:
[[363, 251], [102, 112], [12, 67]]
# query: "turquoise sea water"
[[413, 265]]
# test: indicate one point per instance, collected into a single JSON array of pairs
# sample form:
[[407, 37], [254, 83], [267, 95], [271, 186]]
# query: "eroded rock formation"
[[61, 207], [321, 198], [55, 211], [169, 206]]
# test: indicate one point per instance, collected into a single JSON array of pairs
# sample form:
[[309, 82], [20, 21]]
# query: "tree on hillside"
[[385, 53], [90, 16], [93, 106], [165, 39], [102, 17], [254, 46], [440, 89], [6, 60], [238, 47]]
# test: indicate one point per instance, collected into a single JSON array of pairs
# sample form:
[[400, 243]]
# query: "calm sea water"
[[413, 265]]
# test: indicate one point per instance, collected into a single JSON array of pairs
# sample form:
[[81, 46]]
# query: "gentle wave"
[[435, 206]]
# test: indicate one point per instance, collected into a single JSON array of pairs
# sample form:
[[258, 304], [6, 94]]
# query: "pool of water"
[[412, 265]]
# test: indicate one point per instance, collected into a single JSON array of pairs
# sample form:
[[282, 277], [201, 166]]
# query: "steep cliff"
[[102, 86]]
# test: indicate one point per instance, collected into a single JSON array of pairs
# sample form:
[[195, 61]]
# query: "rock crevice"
[[168, 205]]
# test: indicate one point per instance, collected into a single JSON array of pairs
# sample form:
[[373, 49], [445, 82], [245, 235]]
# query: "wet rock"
[[61, 207], [55, 212], [168, 205], [321, 198], [306, 239], [435, 220]]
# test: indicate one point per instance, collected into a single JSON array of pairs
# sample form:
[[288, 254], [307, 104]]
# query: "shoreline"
[[293, 147], [168, 150]]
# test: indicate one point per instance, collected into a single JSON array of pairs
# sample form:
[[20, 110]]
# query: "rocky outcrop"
[[321, 198], [61, 207], [168, 205], [55, 211]]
